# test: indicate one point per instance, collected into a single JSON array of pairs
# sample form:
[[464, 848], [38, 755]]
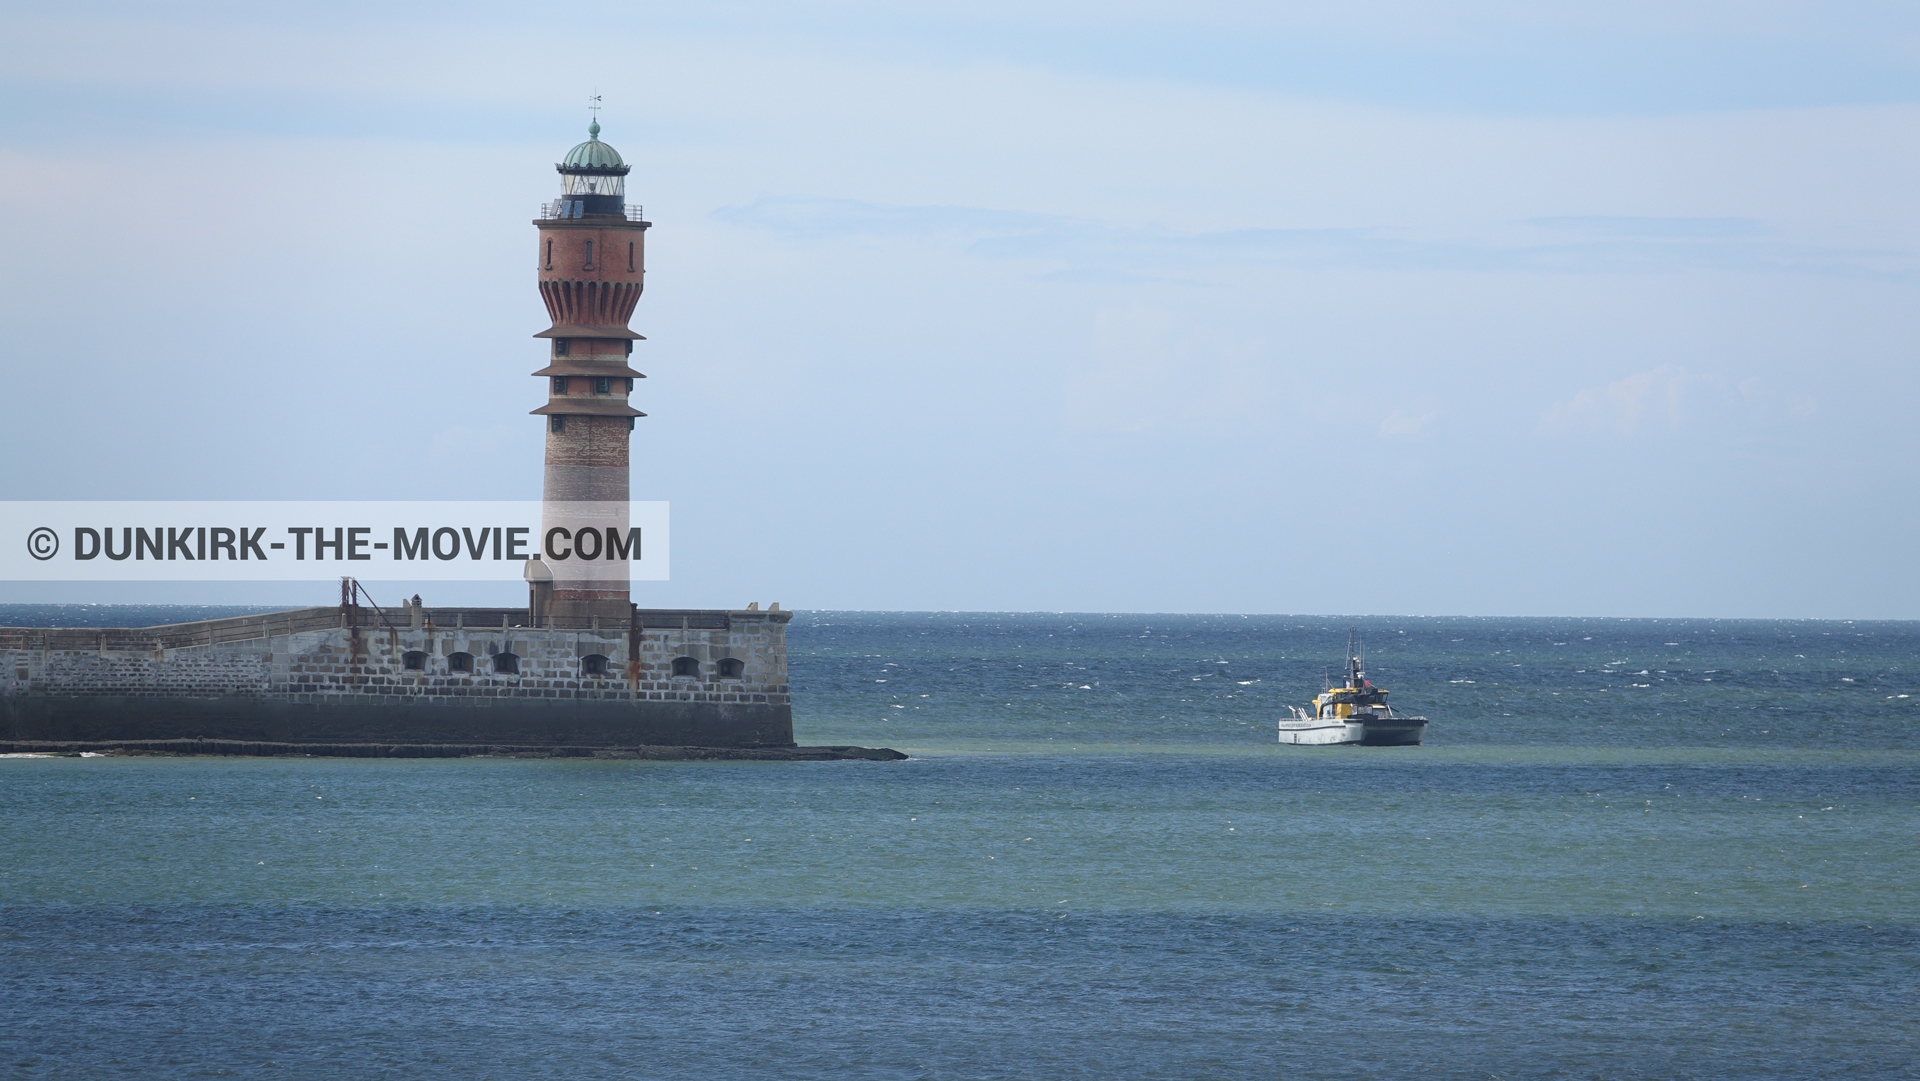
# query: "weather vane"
[[593, 105]]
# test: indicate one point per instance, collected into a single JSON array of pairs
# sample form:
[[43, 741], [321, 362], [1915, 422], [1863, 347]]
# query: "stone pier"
[[412, 676]]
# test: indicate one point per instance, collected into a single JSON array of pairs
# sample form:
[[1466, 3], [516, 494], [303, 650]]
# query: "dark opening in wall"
[[506, 664], [629, 384], [602, 384], [686, 666], [460, 662], [593, 664], [556, 424], [589, 255], [732, 668], [629, 256], [414, 661], [559, 384], [562, 346]]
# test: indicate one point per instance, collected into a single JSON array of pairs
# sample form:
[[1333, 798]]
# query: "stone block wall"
[[320, 657], [759, 644], [197, 672]]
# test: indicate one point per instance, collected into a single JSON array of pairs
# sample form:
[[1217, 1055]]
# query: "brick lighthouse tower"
[[592, 267]]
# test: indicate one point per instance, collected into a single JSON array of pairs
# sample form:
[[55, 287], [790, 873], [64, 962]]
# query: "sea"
[[1629, 848]]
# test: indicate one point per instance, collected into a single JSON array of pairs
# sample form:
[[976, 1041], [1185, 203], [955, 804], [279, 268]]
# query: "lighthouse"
[[585, 672], [592, 266]]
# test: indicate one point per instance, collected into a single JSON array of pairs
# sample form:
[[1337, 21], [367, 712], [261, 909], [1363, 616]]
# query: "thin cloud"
[[1400, 424], [1650, 399], [1660, 228], [1087, 249]]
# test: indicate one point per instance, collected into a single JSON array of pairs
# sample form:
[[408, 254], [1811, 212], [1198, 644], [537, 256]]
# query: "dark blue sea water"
[[1629, 849]]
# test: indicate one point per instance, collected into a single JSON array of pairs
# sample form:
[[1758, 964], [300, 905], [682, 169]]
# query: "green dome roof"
[[592, 154]]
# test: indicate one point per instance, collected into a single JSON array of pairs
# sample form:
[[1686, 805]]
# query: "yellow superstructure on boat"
[[1356, 712]]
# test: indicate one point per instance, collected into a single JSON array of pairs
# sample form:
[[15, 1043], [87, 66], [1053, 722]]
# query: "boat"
[[1355, 712]]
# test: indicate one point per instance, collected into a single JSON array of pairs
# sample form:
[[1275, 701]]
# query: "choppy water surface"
[[1629, 849]]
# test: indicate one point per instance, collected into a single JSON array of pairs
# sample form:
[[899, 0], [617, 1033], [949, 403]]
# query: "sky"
[[1376, 308]]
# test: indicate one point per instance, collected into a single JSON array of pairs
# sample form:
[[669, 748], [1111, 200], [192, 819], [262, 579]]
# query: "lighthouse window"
[[506, 664], [602, 385], [589, 255], [561, 346], [686, 666], [556, 424], [629, 256], [629, 384], [559, 384], [414, 660], [732, 667], [459, 662], [549, 255], [593, 664], [629, 424]]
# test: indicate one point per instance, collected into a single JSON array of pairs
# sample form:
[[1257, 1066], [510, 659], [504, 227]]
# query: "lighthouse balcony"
[[591, 206]]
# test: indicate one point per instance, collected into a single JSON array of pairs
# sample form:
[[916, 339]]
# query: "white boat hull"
[[1373, 731], [1321, 733]]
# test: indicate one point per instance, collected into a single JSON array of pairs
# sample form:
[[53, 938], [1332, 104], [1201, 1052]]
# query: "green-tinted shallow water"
[[1097, 864], [1481, 835]]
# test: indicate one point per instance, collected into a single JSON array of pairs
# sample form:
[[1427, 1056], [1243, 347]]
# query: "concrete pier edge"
[[261, 749]]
